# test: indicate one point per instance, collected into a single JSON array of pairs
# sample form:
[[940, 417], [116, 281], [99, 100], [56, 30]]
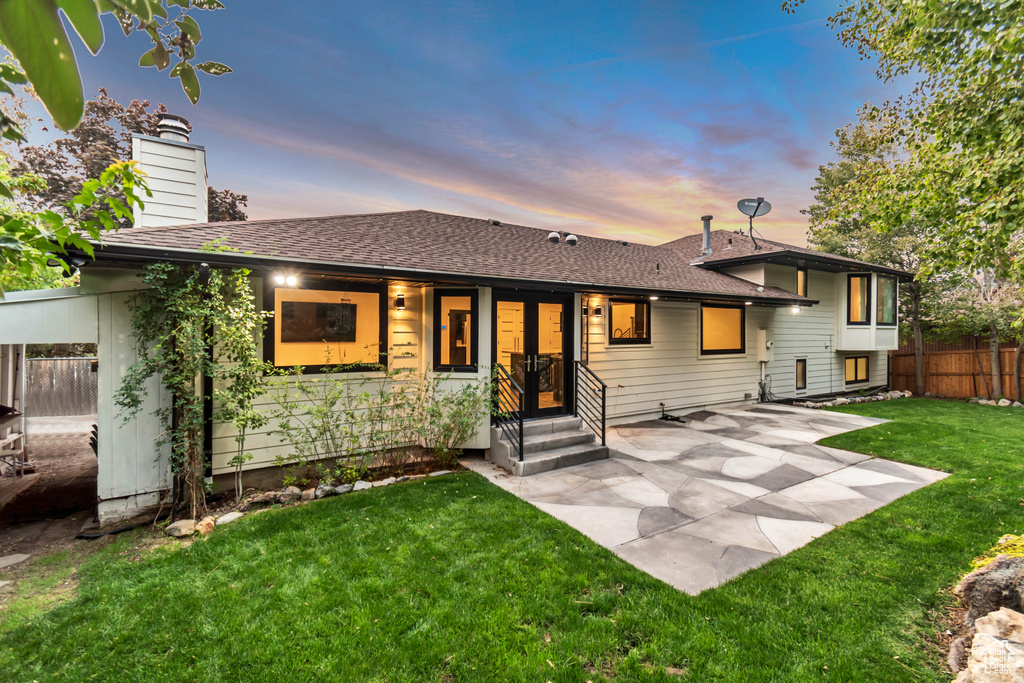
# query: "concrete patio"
[[698, 504]]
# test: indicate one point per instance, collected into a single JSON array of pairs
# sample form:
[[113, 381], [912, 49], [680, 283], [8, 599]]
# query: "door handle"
[[526, 363]]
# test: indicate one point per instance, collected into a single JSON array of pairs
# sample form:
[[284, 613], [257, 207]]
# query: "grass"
[[451, 579]]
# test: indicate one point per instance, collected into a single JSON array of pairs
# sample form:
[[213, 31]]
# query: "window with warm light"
[[801, 374], [455, 330], [629, 322], [858, 298], [801, 281], [722, 329], [886, 304], [325, 327], [856, 369]]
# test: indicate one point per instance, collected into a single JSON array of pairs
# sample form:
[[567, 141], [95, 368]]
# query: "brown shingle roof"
[[442, 243], [742, 247]]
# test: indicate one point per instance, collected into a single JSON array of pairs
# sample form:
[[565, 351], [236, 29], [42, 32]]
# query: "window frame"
[[329, 285], [474, 331], [798, 288], [895, 302], [616, 341], [742, 350], [796, 374], [867, 298], [867, 369]]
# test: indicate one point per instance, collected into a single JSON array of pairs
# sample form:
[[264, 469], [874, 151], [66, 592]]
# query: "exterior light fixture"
[[654, 298], [279, 279], [291, 280], [400, 302], [597, 311], [748, 303], [796, 309]]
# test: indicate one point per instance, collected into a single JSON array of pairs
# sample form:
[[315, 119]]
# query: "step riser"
[[536, 466], [553, 426], [556, 441]]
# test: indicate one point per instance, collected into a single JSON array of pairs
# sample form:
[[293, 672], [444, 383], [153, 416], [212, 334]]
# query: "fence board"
[[954, 374], [60, 387]]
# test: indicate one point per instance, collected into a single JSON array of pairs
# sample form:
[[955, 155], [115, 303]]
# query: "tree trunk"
[[997, 366], [981, 369], [1016, 370], [915, 320]]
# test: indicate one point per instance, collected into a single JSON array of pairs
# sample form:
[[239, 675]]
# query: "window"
[[858, 296], [886, 311], [801, 281], [319, 327], [455, 329], [801, 373], [629, 322], [856, 369], [722, 329]]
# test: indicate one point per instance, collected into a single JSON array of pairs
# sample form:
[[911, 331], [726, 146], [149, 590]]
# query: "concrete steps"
[[548, 444]]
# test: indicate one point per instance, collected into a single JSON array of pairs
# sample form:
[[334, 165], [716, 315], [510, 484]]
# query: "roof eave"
[[796, 256]]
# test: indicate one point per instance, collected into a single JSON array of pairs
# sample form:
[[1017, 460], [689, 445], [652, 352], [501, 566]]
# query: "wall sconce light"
[[796, 309], [654, 298], [597, 311], [400, 302], [748, 303], [289, 280]]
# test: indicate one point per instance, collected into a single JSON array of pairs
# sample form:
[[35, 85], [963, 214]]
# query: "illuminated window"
[[886, 311], [319, 327], [455, 329], [856, 369], [858, 296], [801, 281], [801, 373], [629, 322], [722, 329]]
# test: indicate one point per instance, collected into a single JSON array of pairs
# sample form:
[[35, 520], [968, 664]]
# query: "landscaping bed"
[[448, 578]]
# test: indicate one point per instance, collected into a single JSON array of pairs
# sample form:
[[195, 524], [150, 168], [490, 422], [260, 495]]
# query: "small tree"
[[191, 323]]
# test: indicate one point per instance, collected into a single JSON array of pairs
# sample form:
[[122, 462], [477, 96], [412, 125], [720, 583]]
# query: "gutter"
[[131, 254], [810, 258]]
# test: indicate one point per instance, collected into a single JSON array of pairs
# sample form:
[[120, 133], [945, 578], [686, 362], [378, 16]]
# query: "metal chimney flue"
[[172, 127], [706, 249]]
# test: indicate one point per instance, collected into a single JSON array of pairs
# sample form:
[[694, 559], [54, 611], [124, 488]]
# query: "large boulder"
[[181, 528], [997, 655], [997, 584]]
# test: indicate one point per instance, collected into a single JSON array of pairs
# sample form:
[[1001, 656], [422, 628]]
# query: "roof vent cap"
[[494, 221], [624, 243], [572, 240], [553, 237], [760, 289], [171, 127]]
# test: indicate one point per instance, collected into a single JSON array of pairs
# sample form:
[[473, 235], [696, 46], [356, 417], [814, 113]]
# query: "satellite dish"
[[754, 207]]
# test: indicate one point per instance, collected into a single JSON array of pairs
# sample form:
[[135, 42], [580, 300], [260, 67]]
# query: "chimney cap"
[[173, 127], [707, 217]]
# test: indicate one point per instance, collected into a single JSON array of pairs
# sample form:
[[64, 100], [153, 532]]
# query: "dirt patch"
[[949, 626]]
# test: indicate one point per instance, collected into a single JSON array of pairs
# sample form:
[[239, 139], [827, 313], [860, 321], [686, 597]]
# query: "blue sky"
[[619, 119]]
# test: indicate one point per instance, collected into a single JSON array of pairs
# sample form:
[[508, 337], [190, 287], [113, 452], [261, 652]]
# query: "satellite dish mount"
[[752, 208]]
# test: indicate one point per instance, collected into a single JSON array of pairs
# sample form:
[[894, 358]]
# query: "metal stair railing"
[[509, 400], [591, 399]]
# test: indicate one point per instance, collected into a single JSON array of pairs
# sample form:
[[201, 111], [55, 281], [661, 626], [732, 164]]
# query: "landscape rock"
[[401, 479], [183, 527], [1018, 404], [998, 584], [974, 400], [928, 394], [987, 402], [342, 488], [384, 482], [439, 473], [205, 525], [228, 518], [993, 660], [908, 394], [290, 494], [309, 494], [323, 491], [362, 485], [269, 498], [1005, 403], [842, 401], [956, 653], [1003, 623]]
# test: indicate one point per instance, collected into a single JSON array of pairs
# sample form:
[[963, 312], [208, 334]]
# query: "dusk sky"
[[626, 120]]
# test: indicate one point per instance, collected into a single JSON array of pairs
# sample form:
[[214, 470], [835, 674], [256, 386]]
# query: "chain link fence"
[[60, 387]]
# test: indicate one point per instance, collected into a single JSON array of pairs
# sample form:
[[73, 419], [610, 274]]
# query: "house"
[[615, 331]]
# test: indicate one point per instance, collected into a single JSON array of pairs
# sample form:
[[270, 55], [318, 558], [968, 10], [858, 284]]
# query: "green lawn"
[[451, 579]]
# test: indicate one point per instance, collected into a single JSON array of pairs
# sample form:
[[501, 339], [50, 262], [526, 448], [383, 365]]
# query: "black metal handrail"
[[591, 399], [509, 401]]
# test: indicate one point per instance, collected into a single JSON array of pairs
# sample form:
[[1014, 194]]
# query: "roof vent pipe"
[[706, 249], [171, 127]]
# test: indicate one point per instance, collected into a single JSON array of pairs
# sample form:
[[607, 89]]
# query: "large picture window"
[[455, 329], [629, 322], [319, 327], [858, 298], [722, 329], [856, 369], [886, 312]]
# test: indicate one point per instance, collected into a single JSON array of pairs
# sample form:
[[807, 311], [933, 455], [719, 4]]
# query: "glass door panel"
[[549, 357], [509, 339]]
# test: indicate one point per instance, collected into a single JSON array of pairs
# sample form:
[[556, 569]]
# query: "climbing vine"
[[194, 322]]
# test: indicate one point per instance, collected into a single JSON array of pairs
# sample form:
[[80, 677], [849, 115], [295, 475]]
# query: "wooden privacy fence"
[[60, 387], [954, 374]]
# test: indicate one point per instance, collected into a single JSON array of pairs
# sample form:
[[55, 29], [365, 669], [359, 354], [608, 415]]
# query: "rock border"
[[846, 400], [290, 495]]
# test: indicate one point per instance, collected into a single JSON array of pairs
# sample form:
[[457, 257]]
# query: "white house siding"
[[55, 316]]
